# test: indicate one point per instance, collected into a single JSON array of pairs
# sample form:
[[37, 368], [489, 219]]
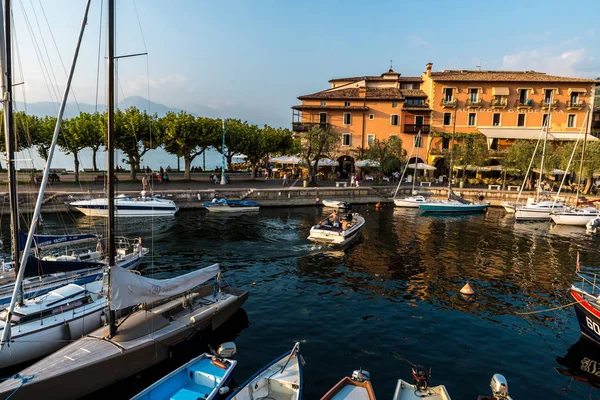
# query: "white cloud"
[[558, 60]]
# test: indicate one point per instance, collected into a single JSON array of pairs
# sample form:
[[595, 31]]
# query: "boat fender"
[[224, 390], [218, 363]]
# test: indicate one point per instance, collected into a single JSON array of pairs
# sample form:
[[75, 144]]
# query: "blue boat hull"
[[453, 208]]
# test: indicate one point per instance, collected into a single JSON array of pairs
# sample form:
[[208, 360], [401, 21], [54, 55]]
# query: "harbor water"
[[389, 300]]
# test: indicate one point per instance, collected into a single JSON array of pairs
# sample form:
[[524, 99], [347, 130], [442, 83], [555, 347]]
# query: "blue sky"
[[252, 58]]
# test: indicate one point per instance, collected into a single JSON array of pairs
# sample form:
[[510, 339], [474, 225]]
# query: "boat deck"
[[352, 393]]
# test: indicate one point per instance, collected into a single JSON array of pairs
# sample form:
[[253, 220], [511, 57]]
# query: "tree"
[[389, 153], [591, 161], [258, 143], [97, 135], [186, 136], [471, 151], [520, 153], [234, 135], [133, 135], [74, 137], [42, 138], [24, 128], [316, 144]]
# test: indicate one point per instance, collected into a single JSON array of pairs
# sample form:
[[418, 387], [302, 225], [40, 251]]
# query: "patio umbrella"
[[553, 172], [326, 162], [286, 160], [422, 166], [367, 163]]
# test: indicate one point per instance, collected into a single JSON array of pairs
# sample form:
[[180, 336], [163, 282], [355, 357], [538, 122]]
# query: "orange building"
[[501, 105]]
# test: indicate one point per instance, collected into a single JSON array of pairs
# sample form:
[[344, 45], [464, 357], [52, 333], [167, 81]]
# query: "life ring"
[[218, 363]]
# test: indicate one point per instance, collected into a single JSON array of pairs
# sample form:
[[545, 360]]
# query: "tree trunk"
[[588, 184], [187, 159], [253, 171], [229, 158], [76, 162], [132, 173], [94, 153]]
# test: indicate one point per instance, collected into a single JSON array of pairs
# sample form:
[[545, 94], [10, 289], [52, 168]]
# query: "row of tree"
[[137, 132]]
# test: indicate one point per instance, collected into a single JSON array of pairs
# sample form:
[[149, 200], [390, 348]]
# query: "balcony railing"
[[524, 104], [498, 103], [547, 103], [575, 105], [474, 103], [413, 128], [448, 103], [307, 126]]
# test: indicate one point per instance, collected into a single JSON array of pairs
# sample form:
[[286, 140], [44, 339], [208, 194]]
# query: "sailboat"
[[127, 206], [154, 314], [454, 204], [414, 200]]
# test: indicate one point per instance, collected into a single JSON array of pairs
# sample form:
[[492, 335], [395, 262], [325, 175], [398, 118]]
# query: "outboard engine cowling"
[[499, 386], [227, 350], [421, 377], [361, 376]]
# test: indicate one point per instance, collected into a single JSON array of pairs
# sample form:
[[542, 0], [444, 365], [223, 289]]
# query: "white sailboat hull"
[[229, 209], [411, 202], [127, 207], [537, 212], [334, 203], [509, 207], [580, 218]]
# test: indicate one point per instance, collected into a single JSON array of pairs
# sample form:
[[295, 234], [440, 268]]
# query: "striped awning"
[[577, 90], [500, 91], [533, 134]]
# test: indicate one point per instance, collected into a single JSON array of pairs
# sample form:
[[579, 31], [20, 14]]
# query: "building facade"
[[502, 106]]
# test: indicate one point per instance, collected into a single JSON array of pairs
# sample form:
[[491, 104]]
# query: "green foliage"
[[75, 136], [258, 143], [316, 144], [390, 164], [471, 151], [42, 137], [383, 149], [457, 135], [133, 135]]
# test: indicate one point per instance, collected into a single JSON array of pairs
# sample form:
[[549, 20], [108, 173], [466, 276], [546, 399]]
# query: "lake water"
[[389, 300]]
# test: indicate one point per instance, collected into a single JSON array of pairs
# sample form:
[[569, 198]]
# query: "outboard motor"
[[593, 225], [421, 377], [361, 376], [227, 350], [499, 387]]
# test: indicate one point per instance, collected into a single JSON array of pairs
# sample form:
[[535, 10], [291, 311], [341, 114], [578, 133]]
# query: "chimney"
[[429, 66], [362, 92]]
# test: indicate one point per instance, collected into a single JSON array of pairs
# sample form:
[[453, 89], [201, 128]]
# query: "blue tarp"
[[49, 241]]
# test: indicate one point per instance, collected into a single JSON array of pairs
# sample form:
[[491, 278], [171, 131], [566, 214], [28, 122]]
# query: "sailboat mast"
[[581, 161], [418, 141], [111, 153], [547, 125], [7, 103], [451, 154]]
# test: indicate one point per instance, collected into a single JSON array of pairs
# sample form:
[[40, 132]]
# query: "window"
[[323, 103], [347, 119], [370, 139], [394, 104], [346, 139], [447, 119], [547, 96], [371, 116], [346, 104], [473, 93], [521, 120], [571, 121], [574, 98], [546, 121], [445, 143], [472, 119], [496, 120], [416, 86], [322, 118], [418, 141], [419, 120], [415, 102], [494, 144], [394, 119], [448, 94], [523, 95]]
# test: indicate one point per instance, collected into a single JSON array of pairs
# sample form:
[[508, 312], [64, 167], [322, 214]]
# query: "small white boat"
[[537, 211], [281, 379], [420, 388], [453, 206], [325, 232], [411, 202], [357, 387], [334, 204], [204, 377], [593, 225], [225, 205], [576, 216], [46, 323], [125, 206], [509, 207]]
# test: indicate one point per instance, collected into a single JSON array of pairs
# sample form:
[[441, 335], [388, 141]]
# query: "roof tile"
[[504, 76]]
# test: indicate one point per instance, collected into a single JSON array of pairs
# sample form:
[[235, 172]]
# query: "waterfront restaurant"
[[500, 105]]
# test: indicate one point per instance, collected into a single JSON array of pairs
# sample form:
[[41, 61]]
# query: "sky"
[[251, 59]]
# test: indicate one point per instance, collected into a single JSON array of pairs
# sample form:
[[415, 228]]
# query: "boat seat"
[[202, 379], [186, 394]]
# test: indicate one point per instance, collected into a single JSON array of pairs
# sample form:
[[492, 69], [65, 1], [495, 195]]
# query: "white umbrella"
[[367, 163], [286, 160], [553, 172], [421, 165], [326, 162]]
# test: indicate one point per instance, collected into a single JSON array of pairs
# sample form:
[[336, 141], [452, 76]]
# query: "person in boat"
[[345, 225], [335, 219]]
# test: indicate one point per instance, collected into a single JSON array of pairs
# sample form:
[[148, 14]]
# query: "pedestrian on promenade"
[[145, 182], [285, 181], [352, 180]]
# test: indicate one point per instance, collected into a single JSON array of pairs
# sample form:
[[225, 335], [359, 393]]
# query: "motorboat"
[[539, 211], [325, 232], [499, 387], [420, 388], [593, 225], [335, 204], [204, 377], [225, 205], [46, 323], [281, 379], [453, 206], [356, 387], [510, 208], [587, 310], [574, 216], [411, 202], [126, 206]]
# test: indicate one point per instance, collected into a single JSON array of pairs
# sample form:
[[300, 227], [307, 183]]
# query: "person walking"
[[285, 181], [145, 182]]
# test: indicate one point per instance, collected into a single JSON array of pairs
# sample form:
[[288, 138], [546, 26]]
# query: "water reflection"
[[582, 363]]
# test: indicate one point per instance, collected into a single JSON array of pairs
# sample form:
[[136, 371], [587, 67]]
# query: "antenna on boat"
[[110, 149]]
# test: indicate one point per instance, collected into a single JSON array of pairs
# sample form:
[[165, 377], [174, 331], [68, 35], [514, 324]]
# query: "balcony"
[[496, 103], [527, 104], [448, 103], [307, 126], [412, 128], [474, 103], [548, 104], [575, 105], [595, 124]]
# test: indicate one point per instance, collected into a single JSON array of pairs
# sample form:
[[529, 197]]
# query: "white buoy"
[[467, 289]]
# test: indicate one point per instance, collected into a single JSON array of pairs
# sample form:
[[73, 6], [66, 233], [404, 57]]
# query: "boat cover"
[[38, 267], [453, 196], [51, 241], [129, 289], [232, 203]]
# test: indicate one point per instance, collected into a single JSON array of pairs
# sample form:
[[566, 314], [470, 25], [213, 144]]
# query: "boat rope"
[[24, 379], [547, 309]]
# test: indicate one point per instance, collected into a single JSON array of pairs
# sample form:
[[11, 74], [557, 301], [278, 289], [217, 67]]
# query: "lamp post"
[[223, 182]]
